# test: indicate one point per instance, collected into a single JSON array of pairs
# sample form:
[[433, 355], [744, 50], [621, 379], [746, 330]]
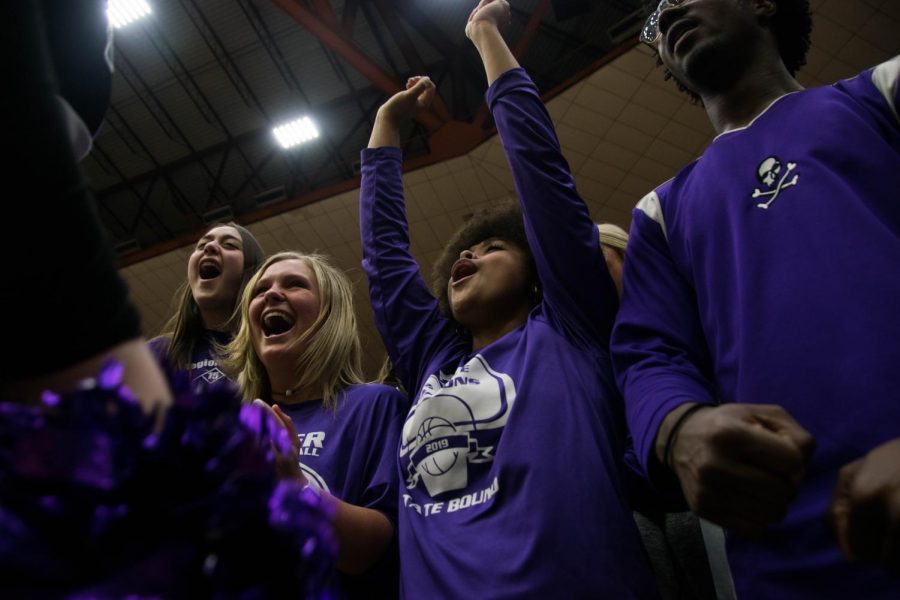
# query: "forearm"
[[495, 54], [385, 132], [363, 534], [142, 376]]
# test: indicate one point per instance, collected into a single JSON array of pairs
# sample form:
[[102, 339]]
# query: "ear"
[[764, 8]]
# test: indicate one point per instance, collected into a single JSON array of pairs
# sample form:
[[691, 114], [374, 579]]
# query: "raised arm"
[[485, 28], [406, 314], [577, 288]]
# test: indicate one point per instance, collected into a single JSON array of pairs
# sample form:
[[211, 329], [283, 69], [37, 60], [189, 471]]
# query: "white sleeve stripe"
[[649, 205], [885, 77]]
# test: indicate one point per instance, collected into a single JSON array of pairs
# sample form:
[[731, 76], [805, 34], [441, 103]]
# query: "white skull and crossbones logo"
[[767, 173]]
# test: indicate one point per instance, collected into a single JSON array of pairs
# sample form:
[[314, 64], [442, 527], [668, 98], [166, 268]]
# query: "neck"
[[294, 395], [215, 319], [748, 96], [489, 333]]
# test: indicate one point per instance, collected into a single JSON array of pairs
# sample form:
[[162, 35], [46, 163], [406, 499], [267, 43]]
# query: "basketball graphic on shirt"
[[457, 421], [441, 460]]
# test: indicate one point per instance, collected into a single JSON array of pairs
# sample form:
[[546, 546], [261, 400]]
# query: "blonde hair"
[[331, 360]]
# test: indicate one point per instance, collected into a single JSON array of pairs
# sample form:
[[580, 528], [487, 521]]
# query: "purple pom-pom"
[[95, 502]]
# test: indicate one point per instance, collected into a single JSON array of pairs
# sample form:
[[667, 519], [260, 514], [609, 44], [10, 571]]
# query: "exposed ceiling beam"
[[531, 28], [349, 17], [336, 41], [407, 48], [323, 7]]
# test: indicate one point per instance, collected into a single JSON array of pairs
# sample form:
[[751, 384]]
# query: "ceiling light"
[[123, 12], [296, 132]]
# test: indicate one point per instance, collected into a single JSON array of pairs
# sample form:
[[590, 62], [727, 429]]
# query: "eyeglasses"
[[650, 33]]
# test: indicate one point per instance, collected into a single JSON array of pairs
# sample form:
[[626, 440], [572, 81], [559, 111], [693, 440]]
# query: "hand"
[[865, 509], [494, 13], [409, 103], [739, 465], [287, 466]]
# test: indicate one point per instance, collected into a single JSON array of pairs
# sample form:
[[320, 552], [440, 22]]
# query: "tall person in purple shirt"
[[757, 341], [297, 352], [511, 453]]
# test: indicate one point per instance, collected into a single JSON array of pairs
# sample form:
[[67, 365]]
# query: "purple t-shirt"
[[350, 452], [204, 368], [510, 455], [768, 271]]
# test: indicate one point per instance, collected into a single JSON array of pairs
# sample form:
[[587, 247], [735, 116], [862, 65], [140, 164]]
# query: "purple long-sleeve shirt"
[[768, 271], [510, 455]]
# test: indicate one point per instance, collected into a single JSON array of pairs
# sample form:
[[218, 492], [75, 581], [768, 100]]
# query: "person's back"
[[763, 274]]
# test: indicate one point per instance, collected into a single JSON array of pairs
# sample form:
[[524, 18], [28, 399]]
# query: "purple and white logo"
[[456, 420], [773, 174]]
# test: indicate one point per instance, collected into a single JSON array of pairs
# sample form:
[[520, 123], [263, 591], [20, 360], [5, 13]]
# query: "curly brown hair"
[[791, 25], [503, 221]]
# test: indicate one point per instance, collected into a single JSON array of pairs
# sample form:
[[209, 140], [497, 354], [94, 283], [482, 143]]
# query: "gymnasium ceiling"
[[200, 84], [622, 128]]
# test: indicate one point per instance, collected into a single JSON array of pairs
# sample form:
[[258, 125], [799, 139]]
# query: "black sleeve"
[[64, 300]]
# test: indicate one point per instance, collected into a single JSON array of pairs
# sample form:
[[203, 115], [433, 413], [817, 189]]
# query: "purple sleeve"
[[658, 347], [381, 489], [578, 290], [406, 314]]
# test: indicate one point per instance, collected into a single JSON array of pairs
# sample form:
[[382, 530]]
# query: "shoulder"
[[372, 407], [160, 341], [656, 204], [886, 76], [159, 345], [374, 395], [878, 86]]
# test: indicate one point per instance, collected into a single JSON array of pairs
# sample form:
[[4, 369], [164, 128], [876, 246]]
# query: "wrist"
[[670, 429], [479, 30], [385, 119], [385, 132]]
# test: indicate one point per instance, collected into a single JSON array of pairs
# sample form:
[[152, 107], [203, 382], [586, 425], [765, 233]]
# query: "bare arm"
[[363, 533], [401, 106], [485, 28], [142, 376]]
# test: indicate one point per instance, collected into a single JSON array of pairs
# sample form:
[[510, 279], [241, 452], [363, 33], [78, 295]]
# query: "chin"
[[709, 67]]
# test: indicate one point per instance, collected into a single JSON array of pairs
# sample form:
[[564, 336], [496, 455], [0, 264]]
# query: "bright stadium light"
[[296, 132], [123, 12]]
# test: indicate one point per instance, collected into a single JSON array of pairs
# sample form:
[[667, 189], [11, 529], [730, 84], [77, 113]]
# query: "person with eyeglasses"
[[757, 341]]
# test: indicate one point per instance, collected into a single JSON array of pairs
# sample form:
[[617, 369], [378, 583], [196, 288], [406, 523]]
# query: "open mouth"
[[276, 322], [461, 269], [209, 270]]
